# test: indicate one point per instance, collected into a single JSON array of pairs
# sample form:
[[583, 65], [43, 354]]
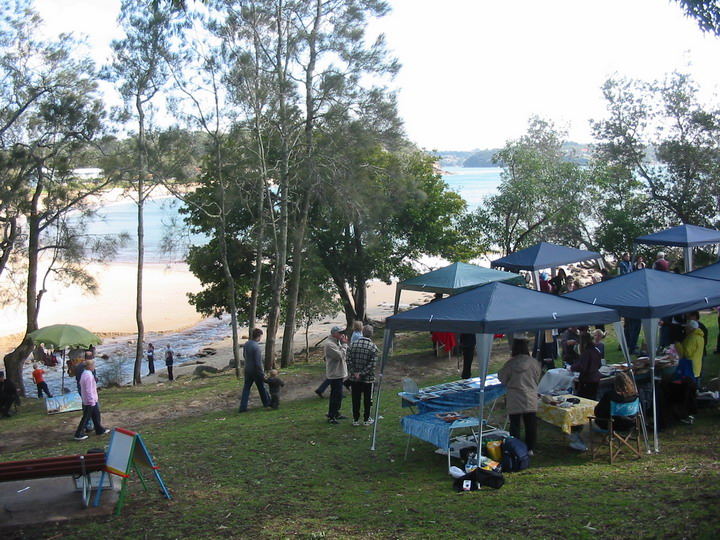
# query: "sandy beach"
[[168, 316]]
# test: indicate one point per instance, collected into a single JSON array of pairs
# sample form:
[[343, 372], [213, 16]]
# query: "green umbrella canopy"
[[60, 336]]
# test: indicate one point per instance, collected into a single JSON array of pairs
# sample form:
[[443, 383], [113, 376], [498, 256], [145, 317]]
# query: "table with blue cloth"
[[429, 427], [454, 396]]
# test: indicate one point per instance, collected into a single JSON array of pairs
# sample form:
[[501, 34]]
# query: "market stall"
[[485, 311], [650, 295]]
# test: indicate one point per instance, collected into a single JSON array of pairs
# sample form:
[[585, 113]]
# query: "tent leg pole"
[[377, 411]]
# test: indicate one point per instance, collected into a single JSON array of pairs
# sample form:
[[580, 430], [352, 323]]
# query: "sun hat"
[[692, 324], [336, 330]]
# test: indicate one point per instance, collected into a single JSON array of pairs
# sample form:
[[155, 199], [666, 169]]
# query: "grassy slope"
[[287, 472]]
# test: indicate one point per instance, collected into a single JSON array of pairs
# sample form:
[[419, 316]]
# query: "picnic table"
[[566, 417]]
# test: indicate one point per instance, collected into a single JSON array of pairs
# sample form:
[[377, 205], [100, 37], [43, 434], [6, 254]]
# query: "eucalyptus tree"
[[541, 190], [50, 111], [140, 69], [668, 141], [302, 62], [387, 207]]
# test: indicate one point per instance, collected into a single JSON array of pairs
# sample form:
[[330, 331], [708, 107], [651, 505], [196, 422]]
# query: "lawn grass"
[[287, 473]]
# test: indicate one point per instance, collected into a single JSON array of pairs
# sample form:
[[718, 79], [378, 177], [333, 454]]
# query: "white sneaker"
[[369, 422], [81, 437], [356, 422], [578, 445]]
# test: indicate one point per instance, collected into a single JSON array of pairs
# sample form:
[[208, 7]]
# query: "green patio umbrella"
[[61, 336]]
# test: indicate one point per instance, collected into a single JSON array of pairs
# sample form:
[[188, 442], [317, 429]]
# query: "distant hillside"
[[576, 152]]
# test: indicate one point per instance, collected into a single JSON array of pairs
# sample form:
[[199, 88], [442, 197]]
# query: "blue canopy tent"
[[650, 295], [453, 279], [544, 255], [684, 236], [711, 271], [485, 311]]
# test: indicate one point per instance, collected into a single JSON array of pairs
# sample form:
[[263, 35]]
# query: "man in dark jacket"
[[254, 370], [8, 395]]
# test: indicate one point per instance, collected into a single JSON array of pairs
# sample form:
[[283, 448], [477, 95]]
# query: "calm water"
[[162, 217], [473, 183]]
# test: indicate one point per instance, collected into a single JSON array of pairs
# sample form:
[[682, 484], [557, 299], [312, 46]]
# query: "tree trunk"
[[284, 194], [260, 231], [292, 297], [142, 172], [14, 361]]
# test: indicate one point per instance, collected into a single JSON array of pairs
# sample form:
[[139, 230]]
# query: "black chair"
[[617, 440]]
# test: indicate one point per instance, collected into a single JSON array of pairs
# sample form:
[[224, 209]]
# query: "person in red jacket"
[[38, 376]]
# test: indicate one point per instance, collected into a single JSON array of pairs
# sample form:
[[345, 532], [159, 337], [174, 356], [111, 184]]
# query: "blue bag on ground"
[[515, 455]]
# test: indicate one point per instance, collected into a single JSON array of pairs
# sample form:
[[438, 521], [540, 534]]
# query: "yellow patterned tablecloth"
[[577, 415]]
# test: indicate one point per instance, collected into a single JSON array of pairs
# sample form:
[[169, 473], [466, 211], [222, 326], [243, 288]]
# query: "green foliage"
[[666, 139], [705, 12], [386, 210], [541, 193]]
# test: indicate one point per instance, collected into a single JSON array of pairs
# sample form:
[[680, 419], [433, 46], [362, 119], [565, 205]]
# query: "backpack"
[[514, 455], [472, 481]]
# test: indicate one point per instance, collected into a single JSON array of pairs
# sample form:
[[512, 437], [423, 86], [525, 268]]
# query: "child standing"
[[38, 376], [275, 383]]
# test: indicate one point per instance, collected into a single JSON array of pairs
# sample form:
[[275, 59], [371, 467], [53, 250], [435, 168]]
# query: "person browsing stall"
[[692, 346], [520, 375], [588, 366], [254, 370]]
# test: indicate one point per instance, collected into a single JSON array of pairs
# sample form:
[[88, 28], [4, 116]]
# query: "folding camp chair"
[[409, 389], [627, 439]]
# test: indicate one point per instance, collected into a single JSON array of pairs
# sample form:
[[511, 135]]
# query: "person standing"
[[588, 366], [357, 332], [151, 358], [275, 383], [90, 402], [520, 375], [467, 344], [8, 395], [361, 359], [335, 371], [254, 370], [625, 266], [38, 376], [691, 347], [169, 361], [661, 263]]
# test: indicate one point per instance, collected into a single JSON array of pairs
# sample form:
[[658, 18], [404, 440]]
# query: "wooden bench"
[[78, 466]]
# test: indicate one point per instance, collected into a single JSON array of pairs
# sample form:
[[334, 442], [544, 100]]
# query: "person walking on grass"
[[254, 370], [38, 376], [90, 402], [335, 371], [361, 359], [275, 383]]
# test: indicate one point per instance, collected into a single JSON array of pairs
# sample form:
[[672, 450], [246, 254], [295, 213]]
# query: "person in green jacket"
[[692, 346]]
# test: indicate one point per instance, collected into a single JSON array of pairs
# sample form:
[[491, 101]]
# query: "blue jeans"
[[259, 381]]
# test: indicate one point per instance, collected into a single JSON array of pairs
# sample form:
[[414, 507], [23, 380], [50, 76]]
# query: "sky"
[[475, 71]]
